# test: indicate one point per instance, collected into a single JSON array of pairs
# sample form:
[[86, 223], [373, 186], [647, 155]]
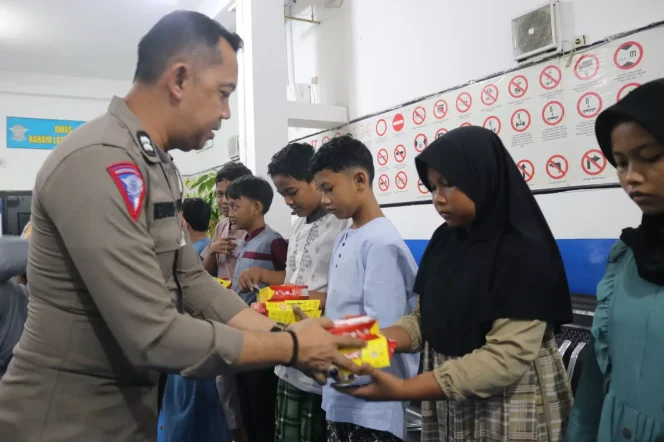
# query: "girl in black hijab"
[[621, 391], [492, 291]]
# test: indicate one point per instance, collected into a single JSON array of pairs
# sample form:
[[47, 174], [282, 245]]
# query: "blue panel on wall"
[[584, 259], [37, 133]]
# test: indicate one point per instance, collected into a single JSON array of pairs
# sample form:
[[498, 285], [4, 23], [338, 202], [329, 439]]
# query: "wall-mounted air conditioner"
[[537, 32]]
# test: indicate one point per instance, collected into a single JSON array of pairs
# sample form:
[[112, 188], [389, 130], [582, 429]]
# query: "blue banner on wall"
[[37, 133]]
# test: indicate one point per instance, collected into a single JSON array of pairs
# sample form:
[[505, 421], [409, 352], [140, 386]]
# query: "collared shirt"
[[226, 263], [372, 273]]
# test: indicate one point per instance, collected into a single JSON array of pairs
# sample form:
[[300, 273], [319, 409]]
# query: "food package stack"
[[276, 302], [378, 352], [225, 282]]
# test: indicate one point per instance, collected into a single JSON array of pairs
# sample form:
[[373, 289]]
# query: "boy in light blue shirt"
[[371, 273]]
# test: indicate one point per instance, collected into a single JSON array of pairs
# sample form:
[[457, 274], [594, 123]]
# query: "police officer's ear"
[[177, 77]]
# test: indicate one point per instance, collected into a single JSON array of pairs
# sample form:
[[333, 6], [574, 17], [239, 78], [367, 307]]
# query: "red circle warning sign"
[[400, 153], [518, 86], [463, 102], [382, 157], [421, 142], [421, 187], [553, 113], [550, 77], [326, 139], [337, 135], [419, 115], [489, 95], [628, 55], [401, 180], [589, 105], [593, 162], [440, 109], [398, 122], [313, 143], [440, 132], [383, 182], [586, 67], [527, 169], [493, 124], [381, 127], [521, 120], [557, 167], [466, 124], [626, 89]]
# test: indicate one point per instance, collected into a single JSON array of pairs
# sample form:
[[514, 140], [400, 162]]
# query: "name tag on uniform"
[[165, 209]]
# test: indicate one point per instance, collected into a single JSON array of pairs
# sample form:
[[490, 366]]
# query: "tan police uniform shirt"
[[102, 321]]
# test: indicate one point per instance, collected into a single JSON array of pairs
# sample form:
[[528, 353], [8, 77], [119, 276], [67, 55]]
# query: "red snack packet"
[[362, 327], [260, 307], [288, 292]]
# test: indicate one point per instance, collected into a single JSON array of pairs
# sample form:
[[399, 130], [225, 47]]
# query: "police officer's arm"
[[115, 257], [205, 297]]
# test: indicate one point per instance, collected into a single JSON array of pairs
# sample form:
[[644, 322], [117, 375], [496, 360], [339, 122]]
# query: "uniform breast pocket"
[[166, 234]]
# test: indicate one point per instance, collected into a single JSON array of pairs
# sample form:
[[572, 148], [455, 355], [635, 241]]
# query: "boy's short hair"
[[293, 161], [232, 171], [253, 188], [197, 212], [343, 153]]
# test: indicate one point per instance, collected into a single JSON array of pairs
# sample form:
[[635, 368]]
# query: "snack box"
[[282, 311], [283, 293], [378, 352], [225, 282]]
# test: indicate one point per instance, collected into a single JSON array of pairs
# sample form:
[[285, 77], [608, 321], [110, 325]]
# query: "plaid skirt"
[[534, 410], [299, 416]]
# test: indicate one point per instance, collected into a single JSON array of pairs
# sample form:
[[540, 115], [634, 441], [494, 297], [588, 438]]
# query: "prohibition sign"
[[440, 132], [626, 89], [550, 77], [518, 86], [521, 120], [401, 180], [381, 127], [383, 182], [421, 187], [589, 105], [463, 102], [400, 153], [556, 167], [586, 67], [489, 95], [493, 124], [440, 109], [593, 162], [313, 143], [326, 139], [419, 115], [397, 122], [553, 113], [337, 135], [466, 124], [382, 157], [527, 169], [421, 142], [628, 55]]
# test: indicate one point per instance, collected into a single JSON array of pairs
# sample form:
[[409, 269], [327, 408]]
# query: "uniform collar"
[[150, 151], [254, 234]]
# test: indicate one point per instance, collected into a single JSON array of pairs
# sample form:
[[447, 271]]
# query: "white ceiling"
[[85, 38]]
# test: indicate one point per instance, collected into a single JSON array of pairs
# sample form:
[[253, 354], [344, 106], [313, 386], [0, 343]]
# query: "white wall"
[[46, 96], [398, 51]]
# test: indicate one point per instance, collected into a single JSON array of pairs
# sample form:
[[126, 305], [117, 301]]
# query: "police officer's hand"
[[318, 353], [223, 246], [249, 279]]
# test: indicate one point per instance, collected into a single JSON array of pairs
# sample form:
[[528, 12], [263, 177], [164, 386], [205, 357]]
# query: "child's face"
[[341, 191], [220, 196], [450, 202], [243, 212], [302, 197]]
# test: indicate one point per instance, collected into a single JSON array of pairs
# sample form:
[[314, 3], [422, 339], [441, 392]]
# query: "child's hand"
[[223, 246], [249, 279]]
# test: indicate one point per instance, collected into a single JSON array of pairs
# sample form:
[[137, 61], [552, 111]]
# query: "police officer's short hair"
[[253, 188], [180, 32], [232, 171], [292, 161], [197, 212]]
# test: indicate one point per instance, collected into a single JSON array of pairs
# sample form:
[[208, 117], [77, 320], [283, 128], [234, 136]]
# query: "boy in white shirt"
[[299, 416]]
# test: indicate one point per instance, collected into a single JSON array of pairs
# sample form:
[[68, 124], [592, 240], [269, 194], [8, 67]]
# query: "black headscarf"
[[506, 265], [644, 105]]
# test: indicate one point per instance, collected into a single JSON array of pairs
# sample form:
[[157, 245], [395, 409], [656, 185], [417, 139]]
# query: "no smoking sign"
[[383, 183]]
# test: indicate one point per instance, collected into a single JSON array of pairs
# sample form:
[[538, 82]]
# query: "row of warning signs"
[[558, 168], [588, 106]]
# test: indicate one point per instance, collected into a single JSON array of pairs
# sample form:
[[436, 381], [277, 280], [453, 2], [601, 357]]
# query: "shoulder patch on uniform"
[[146, 143], [130, 184]]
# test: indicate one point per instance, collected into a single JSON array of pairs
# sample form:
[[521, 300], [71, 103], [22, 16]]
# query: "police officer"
[[111, 267]]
